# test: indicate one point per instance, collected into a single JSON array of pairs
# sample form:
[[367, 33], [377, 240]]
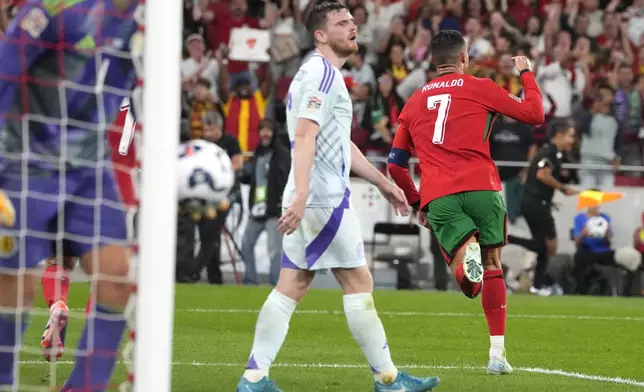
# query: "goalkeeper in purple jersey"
[[66, 67]]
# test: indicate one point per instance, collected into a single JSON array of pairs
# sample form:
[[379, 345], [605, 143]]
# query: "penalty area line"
[[535, 370]]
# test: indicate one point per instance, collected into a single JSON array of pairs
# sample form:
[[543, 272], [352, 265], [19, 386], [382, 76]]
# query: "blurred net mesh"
[[33, 373]]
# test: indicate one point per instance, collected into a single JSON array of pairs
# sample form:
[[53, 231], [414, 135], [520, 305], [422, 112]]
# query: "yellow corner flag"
[[595, 198]]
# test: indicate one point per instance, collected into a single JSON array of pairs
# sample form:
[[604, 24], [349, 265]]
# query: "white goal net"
[[73, 160]]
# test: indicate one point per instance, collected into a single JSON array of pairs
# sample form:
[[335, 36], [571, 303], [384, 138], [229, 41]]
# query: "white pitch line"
[[429, 314], [409, 314], [551, 372]]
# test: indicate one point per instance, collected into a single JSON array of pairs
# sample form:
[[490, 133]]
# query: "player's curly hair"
[[317, 17], [446, 46]]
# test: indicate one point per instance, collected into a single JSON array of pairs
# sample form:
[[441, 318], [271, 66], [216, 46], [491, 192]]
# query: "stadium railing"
[[573, 166]]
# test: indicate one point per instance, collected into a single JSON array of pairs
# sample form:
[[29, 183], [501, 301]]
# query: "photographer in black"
[[543, 178], [188, 267]]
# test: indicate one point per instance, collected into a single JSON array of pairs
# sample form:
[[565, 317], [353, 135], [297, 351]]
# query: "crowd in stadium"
[[583, 51]]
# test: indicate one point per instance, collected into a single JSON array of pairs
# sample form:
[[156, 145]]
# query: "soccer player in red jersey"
[[447, 123], [55, 281]]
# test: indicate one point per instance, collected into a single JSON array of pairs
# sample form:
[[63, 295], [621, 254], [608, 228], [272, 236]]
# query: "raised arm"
[[528, 110]]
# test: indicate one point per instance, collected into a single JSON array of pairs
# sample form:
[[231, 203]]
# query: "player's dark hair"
[[559, 126], [317, 17], [447, 45]]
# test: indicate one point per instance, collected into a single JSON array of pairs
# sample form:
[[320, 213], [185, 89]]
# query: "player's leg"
[[20, 253], [272, 327], [55, 279], [55, 287], [487, 210], [274, 317], [108, 261], [542, 227], [368, 331], [344, 253], [494, 302], [456, 234]]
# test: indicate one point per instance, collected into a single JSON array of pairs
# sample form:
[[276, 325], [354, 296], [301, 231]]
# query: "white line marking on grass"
[[551, 372], [429, 314], [406, 314]]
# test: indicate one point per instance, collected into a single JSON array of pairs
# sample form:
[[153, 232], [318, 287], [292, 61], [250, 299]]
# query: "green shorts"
[[455, 218]]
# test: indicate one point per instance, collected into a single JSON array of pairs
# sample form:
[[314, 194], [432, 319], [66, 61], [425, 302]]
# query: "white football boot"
[[498, 366], [53, 339]]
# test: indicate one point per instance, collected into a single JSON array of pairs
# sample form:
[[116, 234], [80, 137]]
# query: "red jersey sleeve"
[[398, 163], [528, 110]]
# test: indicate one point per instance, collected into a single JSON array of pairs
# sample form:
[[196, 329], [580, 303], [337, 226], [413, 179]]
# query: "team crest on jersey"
[[515, 98], [314, 103], [8, 246]]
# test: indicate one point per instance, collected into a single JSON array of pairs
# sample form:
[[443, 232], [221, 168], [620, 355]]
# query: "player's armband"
[[544, 162], [398, 156]]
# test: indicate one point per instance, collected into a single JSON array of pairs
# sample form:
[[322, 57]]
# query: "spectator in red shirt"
[[521, 11]]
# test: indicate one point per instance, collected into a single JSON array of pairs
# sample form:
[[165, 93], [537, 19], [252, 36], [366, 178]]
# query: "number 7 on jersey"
[[440, 102]]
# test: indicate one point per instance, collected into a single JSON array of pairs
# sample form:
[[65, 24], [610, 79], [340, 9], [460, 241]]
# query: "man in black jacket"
[[188, 267], [266, 174]]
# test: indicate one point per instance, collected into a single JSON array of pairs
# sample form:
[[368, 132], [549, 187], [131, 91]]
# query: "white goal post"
[[157, 238]]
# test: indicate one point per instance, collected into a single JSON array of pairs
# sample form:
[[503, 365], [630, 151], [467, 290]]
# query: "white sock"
[[367, 329], [497, 346], [270, 332]]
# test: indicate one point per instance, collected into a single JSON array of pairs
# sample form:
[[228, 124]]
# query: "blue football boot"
[[263, 385], [406, 383]]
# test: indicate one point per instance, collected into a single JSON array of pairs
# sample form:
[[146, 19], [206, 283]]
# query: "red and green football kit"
[[447, 124]]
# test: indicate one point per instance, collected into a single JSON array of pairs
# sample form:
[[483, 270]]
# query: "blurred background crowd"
[[588, 57]]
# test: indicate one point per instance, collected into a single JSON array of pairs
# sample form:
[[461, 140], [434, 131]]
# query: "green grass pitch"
[[555, 344]]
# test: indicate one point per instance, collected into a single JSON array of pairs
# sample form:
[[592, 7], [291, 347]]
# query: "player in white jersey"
[[322, 231]]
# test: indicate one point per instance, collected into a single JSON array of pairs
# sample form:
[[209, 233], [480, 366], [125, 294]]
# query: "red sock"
[[471, 290], [55, 284], [494, 302], [88, 307]]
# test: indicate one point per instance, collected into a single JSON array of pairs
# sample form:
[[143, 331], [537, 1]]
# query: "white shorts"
[[327, 238]]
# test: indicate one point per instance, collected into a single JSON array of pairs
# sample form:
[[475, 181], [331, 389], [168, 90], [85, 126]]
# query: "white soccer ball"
[[597, 226], [205, 172]]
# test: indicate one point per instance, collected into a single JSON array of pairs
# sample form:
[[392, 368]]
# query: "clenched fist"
[[522, 63]]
